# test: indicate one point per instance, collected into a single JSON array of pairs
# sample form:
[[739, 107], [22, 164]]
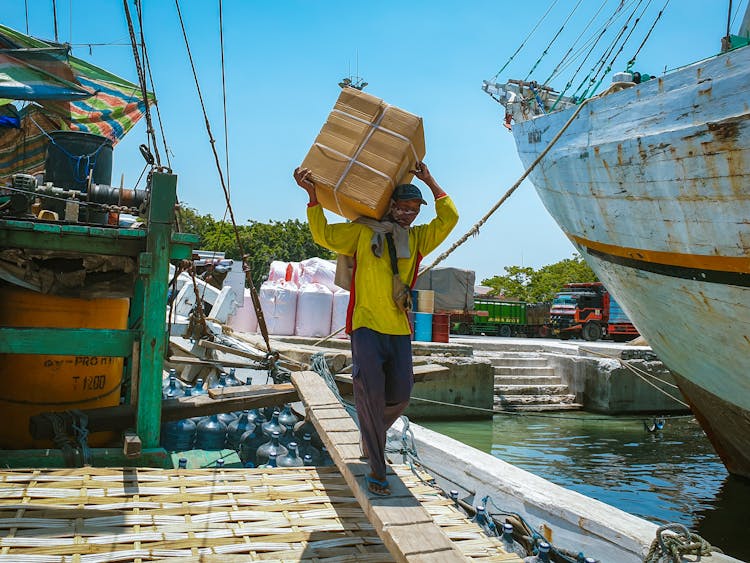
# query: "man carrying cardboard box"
[[386, 257]]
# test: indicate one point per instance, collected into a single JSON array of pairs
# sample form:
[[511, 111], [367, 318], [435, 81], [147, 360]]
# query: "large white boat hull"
[[652, 184]]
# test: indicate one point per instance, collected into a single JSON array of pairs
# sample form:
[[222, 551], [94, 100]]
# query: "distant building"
[[481, 290]]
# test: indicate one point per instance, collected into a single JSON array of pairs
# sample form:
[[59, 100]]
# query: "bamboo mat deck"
[[97, 515]]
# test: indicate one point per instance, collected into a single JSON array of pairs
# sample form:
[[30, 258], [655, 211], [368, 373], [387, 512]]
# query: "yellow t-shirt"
[[371, 302]]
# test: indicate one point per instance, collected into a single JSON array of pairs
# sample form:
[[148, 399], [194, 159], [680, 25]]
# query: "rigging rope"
[[151, 135], [618, 11], [224, 93], [475, 229], [625, 41], [605, 27], [212, 141], [736, 11], [595, 81], [631, 62], [147, 64], [220, 232], [561, 64], [524, 41], [552, 41]]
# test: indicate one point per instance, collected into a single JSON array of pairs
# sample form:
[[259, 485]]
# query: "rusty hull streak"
[[727, 129]]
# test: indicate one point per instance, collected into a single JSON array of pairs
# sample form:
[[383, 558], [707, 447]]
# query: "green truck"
[[503, 318]]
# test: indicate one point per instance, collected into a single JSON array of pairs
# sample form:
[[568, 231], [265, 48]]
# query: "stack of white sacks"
[[299, 298]]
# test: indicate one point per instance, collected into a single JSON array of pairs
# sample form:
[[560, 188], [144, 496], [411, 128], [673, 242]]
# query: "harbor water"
[[669, 475]]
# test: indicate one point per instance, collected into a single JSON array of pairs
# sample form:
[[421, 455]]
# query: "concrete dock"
[[538, 374]]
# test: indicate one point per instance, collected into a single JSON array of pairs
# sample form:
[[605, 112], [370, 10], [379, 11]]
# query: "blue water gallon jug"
[[288, 419], [249, 444], [272, 447], [325, 458], [200, 388], [253, 415], [510, 545], [227, 417], [306, 448], [211, 434], [291, 459], [273, 425], [542, 554], [173, 387], [237, 429], [231, 379], [423, 327], [178, 435], [271, 462], [304, 427]]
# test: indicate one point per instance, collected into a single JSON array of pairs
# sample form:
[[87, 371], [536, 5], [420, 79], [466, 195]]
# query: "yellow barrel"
[[34, 383], [425, 301]]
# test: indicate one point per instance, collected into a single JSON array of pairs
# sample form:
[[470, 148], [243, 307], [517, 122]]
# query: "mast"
[[744, 30], [742, 38]]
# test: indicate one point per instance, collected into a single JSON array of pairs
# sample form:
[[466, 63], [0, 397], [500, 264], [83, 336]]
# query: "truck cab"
[[588, 311], [579, 310]]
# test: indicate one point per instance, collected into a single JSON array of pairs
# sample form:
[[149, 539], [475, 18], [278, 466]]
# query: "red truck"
[[589, 311]]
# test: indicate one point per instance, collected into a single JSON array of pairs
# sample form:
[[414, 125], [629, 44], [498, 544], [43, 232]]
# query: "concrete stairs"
[[525, 382]]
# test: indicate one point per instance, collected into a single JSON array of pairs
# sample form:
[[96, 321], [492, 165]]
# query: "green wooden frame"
[[153, 248]]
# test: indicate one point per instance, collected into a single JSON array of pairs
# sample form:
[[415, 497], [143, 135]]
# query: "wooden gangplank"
[[406, 528]]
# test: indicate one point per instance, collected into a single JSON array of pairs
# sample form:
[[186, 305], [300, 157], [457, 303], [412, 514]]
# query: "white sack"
[[317, 270], [285, 271], [314, 306], [279, 303]]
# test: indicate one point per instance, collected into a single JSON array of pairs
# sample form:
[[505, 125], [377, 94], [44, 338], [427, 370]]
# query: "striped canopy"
[[67, 93]]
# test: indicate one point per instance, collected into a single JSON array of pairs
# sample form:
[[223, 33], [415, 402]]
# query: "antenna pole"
[[729, 20], [54, 17]]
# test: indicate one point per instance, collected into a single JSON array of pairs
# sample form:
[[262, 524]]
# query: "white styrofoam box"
[[338, 316], [244, 318], [314, 307], [278, 300], [235, 277]]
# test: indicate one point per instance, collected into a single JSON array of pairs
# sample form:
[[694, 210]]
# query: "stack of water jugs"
[[268, 437]]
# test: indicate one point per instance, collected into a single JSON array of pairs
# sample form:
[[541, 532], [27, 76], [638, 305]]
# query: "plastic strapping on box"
[[353, 159]]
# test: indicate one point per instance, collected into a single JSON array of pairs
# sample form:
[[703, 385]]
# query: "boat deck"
[[144, 514]]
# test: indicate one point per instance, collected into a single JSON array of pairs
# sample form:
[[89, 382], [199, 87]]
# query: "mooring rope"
[[675, 540], [635, 371], [225, 188], [475, 229]]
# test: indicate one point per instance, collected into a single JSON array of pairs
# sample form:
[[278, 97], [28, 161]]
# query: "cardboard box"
[[364, 150]]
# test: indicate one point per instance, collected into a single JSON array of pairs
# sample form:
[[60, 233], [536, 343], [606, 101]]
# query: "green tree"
[[528, 284], [192, 222], [289, 241]]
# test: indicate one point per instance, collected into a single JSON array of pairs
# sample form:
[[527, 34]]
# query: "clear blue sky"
[[285, 58]]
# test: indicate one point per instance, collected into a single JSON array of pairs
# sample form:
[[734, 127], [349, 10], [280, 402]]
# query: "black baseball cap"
[[407, 191]]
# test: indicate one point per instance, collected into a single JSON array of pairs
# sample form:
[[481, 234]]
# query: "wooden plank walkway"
[[97, 515], [404, 525]]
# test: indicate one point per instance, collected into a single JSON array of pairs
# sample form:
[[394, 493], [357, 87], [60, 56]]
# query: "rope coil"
[[675, 540]]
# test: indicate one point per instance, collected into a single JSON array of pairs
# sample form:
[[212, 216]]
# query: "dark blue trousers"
[[383, 377]]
